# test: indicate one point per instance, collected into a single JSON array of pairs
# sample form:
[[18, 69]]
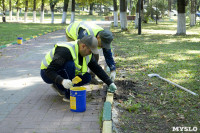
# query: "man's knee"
[[44, 77], [68, 71]]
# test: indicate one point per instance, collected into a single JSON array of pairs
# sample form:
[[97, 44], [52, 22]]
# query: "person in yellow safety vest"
[[78, 30], [69, 59]]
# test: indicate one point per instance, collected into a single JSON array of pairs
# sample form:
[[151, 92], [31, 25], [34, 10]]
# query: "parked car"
[[198, 14], [173, 13]]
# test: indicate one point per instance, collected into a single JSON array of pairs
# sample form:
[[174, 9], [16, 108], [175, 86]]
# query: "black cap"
[[106, 38], [91, 42]]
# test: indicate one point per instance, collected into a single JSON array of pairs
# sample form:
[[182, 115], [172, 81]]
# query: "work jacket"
[[73, 29], [74, 50]]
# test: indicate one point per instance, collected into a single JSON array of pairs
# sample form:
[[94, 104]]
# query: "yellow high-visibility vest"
[[73, 28], [73, 47]]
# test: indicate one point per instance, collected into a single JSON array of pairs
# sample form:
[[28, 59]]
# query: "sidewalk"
[[28, 105]]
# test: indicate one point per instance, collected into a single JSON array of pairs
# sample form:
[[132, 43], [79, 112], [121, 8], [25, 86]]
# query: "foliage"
[[88, 2], [133, 10]]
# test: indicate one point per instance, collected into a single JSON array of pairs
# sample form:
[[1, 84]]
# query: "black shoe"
[[95, 81], [67, 96], [60, 92]]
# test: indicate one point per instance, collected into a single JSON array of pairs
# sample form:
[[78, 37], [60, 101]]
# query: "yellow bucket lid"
[[78, 88]]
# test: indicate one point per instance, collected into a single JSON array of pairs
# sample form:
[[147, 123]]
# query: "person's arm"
[[61, 56], [109, 59], [97, 69]]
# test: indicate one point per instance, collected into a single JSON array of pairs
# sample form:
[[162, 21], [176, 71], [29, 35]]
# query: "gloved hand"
[[112, 88], [67, 83], [112, 75]]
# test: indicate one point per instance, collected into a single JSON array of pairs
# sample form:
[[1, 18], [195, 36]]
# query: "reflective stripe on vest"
[[44, 60]]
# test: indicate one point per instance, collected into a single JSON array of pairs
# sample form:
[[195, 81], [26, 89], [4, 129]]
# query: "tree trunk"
[[26, 10], [123, 15], [42, 12], [115, 13], [73, 11], [52, 5], [91, 9], [169, 8], [130, 7], [10, 10], [192, 13], [4, 11], [137, 15], [64, 15], [181, 26], [17, 13], [34, 11]]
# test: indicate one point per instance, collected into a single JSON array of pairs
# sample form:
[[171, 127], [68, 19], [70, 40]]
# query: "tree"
[[169, 8], [4, 11], [91, 9], [34, 11], [17, 6], [123, 15], [52, 6], [192, 13], [10, 10], [73, 11], [42, 12], [130, 6], [65, 7], [115, 13], [26, 10], [181, 23]]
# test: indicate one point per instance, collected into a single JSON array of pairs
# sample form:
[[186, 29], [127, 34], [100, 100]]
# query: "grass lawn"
[[57, 16], [158, 105], [10, 31]]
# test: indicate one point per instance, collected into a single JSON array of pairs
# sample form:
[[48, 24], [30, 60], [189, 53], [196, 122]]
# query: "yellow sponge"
[[76, 80]]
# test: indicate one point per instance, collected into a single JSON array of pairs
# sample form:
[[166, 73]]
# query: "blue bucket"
[[78, 99]]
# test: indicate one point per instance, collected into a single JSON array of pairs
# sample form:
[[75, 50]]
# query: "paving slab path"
[[28, 105]]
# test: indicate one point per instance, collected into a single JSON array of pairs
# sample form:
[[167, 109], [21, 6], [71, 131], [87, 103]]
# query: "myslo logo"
[[184, 129]]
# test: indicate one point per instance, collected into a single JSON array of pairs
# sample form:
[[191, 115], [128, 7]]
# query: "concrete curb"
[[107, 114], [40, 34]]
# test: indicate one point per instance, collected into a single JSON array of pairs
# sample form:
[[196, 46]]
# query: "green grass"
[[10, 31], [176, 58]]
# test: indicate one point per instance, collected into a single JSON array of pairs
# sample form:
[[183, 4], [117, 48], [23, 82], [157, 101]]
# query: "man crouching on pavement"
[[69, 59]]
